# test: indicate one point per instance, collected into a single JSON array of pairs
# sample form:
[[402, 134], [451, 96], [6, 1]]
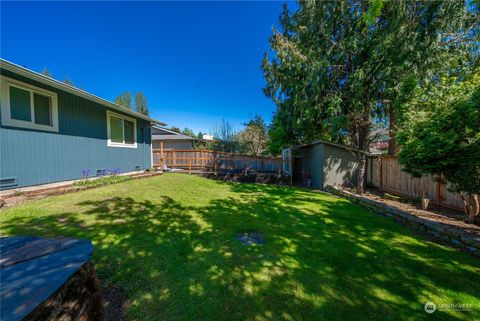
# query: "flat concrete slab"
[[32, 269]]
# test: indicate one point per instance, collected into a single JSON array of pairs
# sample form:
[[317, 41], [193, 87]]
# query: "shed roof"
[[321, 141], [7, 65]]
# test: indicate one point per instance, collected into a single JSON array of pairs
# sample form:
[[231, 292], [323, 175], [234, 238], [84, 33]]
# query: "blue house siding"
[[37, 157]]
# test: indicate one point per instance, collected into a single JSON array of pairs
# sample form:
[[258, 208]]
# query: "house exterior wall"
[[173, 144], [38, 157], [340, 166]]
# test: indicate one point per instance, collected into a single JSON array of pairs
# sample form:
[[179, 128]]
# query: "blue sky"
[[197, 62]]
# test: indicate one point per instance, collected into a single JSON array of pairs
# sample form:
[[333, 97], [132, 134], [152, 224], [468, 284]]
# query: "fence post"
[[161, 156], [190, 166], [246, 166], [173, 158], [380, 167], [438, 189], [215, 166], [279, 164]]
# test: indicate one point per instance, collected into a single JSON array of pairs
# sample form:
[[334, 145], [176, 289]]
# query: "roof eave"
[[5, 64]]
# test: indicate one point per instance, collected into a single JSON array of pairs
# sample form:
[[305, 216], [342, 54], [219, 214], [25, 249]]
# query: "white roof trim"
[[164, 129], [5, 64]]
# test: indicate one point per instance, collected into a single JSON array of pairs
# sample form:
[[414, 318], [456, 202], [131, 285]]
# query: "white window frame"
[[7, 119], [124, 145]]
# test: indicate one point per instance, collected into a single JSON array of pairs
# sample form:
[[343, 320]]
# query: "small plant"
[[104, 180], [18, 192]]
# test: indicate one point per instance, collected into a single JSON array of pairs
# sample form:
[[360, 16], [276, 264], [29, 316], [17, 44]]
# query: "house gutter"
[[10, 66]]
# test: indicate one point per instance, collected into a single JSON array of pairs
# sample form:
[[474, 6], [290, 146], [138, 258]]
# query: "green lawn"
[[169, 243]]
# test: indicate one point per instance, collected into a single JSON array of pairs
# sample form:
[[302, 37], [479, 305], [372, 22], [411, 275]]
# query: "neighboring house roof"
[[380, 134], [163, 131], [173, 137], [10, 66]]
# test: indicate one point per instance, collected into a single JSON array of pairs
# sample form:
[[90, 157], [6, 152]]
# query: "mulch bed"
[[433, 213], [444, 226]]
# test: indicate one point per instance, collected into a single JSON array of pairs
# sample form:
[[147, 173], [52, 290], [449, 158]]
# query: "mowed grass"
[[169, 243]]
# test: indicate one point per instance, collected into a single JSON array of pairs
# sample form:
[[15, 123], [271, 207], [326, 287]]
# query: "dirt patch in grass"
[[114, 302]]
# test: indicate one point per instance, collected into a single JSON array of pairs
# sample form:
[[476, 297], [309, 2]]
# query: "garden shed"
[[321, 163]]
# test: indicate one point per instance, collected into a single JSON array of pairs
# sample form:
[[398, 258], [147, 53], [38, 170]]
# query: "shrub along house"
[[52, 132]]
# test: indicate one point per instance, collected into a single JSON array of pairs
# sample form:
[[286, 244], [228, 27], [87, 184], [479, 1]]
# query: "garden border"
[[15, 198], [455, 237]]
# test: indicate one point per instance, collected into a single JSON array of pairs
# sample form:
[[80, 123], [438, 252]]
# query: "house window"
[[27, 106], [122, 130]]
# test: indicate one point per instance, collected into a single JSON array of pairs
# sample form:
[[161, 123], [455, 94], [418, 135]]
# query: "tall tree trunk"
[[392, 143], [363, 133], [471, 206]]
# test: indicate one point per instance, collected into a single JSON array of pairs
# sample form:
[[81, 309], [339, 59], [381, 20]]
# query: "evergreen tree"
[[337, 65], [125, 100], [440, 135], [141, 104], [46, 72]]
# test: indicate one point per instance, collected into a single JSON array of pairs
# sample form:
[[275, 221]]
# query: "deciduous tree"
[[253, 139]]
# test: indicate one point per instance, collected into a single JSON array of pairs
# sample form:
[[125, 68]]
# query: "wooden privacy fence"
[[208, 160], [386, 173]]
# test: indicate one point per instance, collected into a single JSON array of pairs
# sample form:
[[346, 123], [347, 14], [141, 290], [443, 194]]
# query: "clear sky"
[[197, 62]]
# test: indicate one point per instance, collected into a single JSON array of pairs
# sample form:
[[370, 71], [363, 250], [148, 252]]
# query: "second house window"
[[121, 130]]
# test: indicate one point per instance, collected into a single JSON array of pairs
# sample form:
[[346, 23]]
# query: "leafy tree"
[[68, 81], [141, 104], [176, 129], [187, 131], [337, 65], [125, 100], [440, 135], [253, 139], [46, 72]]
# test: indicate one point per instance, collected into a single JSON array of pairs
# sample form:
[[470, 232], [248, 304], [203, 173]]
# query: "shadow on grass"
[[323, 258]]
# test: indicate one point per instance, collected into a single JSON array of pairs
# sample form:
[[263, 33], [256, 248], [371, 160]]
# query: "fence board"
[[216, 161], [386, 173]]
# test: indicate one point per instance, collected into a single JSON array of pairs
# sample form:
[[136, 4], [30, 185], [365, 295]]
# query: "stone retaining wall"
[[456, 237], [79, 299]]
